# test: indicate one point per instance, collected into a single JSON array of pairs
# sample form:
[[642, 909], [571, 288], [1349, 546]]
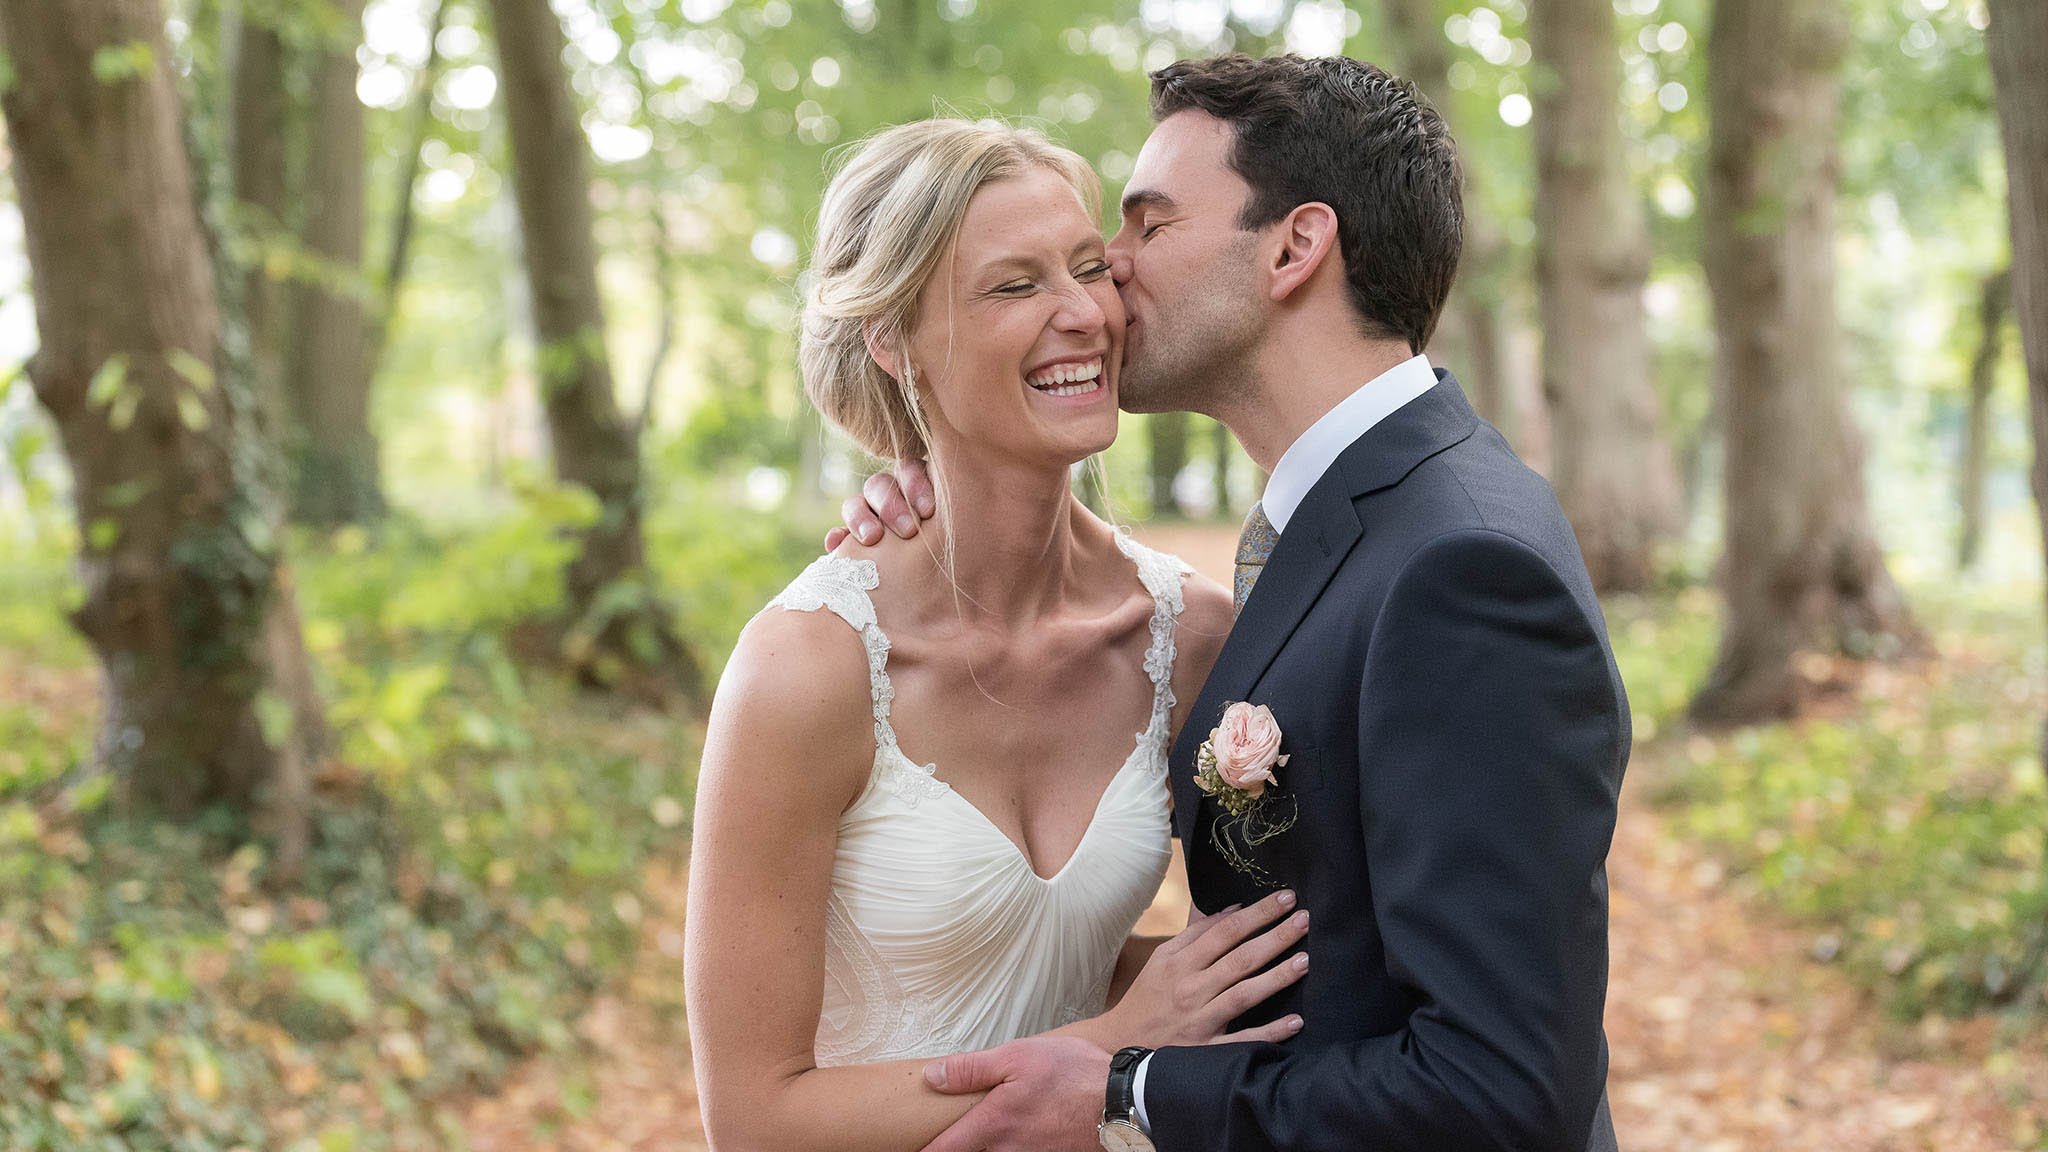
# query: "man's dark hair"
[[1344, 133]]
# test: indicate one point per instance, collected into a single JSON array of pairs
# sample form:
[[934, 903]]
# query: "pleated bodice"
[[939, 937]]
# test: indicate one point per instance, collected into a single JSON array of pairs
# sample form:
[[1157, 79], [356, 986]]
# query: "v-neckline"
[[1023, 856], [1166, 608]]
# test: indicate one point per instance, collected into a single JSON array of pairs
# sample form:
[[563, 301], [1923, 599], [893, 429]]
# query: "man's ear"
[[883, 351], [1308, 235]]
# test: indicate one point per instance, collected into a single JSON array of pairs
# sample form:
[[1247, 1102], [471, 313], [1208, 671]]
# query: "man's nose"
[[1119, 252]]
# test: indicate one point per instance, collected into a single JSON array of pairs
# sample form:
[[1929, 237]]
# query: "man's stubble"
[[1197, 353]]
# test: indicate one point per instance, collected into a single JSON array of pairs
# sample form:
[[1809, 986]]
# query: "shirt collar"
[[1315, 450]]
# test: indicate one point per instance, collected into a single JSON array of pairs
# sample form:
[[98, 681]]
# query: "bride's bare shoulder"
[[1204, 625], [795, 697], [1206, 609]]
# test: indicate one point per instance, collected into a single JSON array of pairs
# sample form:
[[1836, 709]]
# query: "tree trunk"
[[620, 629], [1801, 564], [1613, 470], [1470, 336], [259, 182], [186, 603], [1168, 434], [2018, 45], [327, 381], [1997, 299]]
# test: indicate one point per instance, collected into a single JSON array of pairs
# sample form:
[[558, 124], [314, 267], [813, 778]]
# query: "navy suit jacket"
[[1427, 637]]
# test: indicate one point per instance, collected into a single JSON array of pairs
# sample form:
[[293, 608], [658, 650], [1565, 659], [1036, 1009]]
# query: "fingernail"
[[1294, 1023], [1301, 962], [867, 533], [935, 1074], [1300, 919], [1286, 899], [905, 524], [924, 505]]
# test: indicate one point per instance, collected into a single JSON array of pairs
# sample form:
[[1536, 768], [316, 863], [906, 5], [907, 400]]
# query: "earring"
[[909, 388]]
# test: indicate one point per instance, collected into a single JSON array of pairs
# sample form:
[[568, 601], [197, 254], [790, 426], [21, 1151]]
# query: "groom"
[[1413, 610]]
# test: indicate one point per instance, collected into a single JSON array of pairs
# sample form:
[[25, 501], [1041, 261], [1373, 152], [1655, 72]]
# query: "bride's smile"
[[1025, 297], [1069, 378]]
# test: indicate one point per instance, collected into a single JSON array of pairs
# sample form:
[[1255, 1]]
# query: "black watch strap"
[[1120, 1098]]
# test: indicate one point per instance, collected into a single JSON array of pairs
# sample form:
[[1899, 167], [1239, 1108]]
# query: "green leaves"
[[109, 388], [108, 382], [195, 371], [116, 390], [274, 715], [1906, 831], [114, 63], [192, 413], [322, 969], [103, 533]]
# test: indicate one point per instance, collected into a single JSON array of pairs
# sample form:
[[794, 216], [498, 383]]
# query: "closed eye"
[[1094, 271]]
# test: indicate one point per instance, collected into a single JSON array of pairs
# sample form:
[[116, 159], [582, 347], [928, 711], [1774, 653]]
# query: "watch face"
[[1123, 1136]]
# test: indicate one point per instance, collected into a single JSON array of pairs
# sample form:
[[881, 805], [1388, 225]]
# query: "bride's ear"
[[882, 351]]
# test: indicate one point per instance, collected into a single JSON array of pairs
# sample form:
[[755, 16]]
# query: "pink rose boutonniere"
[[1236, 767], [1237, 760]]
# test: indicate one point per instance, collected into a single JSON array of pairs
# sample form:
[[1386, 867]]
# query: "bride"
[[933, 800]]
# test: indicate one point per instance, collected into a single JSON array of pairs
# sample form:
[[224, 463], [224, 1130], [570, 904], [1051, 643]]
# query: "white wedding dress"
[[939, 937]]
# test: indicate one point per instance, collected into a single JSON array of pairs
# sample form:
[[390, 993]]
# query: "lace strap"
[[1163, 576], [841, 584]]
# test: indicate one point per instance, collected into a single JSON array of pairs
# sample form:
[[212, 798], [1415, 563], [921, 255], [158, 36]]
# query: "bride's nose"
[[1079, 310]]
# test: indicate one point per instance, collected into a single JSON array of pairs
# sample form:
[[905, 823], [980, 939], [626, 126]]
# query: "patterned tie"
[[1254, 544]]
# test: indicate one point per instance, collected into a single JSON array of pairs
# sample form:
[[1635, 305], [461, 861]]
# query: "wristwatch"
[[1119, 1131]]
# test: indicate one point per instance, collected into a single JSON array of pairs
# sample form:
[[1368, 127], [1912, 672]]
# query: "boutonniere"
[[1236, 767]]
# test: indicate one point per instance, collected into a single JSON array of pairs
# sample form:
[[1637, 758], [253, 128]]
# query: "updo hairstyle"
[[888, 222]]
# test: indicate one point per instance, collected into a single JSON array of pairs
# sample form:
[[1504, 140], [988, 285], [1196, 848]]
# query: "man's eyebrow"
[[1146, 198]]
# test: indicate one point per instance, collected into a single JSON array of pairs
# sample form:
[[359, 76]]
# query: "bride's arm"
[[1131, 961], [790, 745]]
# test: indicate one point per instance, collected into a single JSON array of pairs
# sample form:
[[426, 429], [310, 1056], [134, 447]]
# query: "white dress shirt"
[[1299, 468], [1311, 455]]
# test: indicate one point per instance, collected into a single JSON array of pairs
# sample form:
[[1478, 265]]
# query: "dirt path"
[[1724, 1034]]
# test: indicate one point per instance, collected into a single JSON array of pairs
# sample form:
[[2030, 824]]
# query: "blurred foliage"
[[479, 841], [1905, 820]]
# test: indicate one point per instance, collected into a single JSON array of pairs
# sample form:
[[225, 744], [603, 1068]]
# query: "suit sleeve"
[[1491, 737]]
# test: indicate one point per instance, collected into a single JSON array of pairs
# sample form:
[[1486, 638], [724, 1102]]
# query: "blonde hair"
[[889, 219]]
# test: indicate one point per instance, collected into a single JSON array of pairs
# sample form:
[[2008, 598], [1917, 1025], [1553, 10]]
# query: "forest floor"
[[1725, 1033]]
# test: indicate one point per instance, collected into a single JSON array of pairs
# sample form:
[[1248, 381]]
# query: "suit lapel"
[[1320, 534]]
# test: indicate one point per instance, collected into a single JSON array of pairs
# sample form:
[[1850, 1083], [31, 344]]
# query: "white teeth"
[[1066, 374], [1072, 389]]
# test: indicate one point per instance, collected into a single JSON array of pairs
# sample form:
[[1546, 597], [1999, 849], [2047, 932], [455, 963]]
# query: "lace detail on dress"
[[904, 780], [867, 1016], [1162, 576], [841, 584], [1093, 1001]]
